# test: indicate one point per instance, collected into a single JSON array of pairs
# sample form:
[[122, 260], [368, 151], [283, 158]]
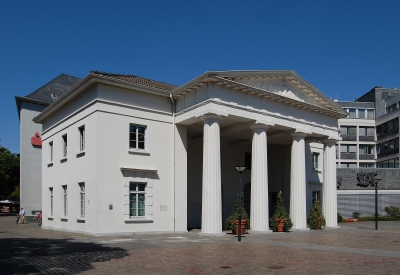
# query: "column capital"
[[208, 116], [260, 126], [330, 140], [298, 134]]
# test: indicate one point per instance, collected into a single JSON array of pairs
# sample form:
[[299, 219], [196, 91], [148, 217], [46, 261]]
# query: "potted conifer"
[[280, 221], [231, 222], [316, 219]]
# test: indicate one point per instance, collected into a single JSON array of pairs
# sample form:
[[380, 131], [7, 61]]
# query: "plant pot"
[[319, 223], [280, 225], [242, 227]]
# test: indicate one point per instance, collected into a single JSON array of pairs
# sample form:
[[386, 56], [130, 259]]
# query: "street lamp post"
[[240, 169], [370, 179]]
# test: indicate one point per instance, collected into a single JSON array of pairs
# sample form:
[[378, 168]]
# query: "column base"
[[331, 227], [259, 232], [300, 229], [212, 234]]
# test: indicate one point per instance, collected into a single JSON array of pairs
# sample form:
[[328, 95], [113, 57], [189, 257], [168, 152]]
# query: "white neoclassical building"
[[127, 154]]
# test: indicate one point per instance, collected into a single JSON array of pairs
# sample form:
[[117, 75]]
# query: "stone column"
[[329, 195], [298, 183], [259, 180], [211, 214]]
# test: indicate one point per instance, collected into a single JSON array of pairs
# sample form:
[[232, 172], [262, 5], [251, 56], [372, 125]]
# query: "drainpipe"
[[173, 166]]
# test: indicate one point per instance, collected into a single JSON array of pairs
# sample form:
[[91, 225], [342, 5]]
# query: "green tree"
[[235, 215], [315, 215], [9, 173], [280, 213]]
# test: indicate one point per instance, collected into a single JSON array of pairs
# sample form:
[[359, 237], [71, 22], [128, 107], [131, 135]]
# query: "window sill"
[[50, 164], [64, 159], [316, 170], [50, 218], [138, 152], [80, 154], [64, 219], [138, 220], [81, 220]]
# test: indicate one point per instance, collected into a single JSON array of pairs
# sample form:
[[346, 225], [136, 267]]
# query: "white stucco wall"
[[107, 118], [30, 159]]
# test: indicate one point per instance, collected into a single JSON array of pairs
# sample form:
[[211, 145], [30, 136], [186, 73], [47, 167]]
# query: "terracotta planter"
[[242, 227], [280, 225], [319, 223]]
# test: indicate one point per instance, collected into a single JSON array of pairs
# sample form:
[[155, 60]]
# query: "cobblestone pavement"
[[353, 249]]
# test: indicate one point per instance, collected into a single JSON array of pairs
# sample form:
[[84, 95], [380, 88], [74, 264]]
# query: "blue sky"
[[344, 48]]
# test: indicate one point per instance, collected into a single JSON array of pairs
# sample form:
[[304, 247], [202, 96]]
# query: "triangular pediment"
[[282, 88]]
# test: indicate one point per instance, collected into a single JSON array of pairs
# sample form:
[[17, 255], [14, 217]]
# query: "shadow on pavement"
[[35, 256]]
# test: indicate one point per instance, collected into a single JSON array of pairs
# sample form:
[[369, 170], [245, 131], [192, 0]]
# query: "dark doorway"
[[272, 203], [247, 197]]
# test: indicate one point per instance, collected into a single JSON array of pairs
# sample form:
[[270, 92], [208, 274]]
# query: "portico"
[[231, 116]]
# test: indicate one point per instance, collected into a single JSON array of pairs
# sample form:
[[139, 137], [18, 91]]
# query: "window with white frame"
[[352, 113], [366, 149], [370, 113], [51, 200], [315, 157], [361, 113], [137, 197], [82, 198], [65, 200], [316, 196], [51, 151], [65, 145], [82, 138], [137, 136]]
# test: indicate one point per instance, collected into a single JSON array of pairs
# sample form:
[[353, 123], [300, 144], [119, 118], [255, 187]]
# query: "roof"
[[49, 92], [116, 80], [235, 80], [138, 80]]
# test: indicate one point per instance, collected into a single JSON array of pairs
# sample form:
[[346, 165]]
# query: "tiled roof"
[[138, 80], [49, 92]]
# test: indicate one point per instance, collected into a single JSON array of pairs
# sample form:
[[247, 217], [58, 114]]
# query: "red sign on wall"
[[36, 140]]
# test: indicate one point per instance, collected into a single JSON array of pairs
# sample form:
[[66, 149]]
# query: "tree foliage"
[[315, 215], [9, 173], [235, 215], [280, 213]]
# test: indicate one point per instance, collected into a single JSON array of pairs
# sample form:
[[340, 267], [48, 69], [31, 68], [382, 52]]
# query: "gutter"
[[173, 155]]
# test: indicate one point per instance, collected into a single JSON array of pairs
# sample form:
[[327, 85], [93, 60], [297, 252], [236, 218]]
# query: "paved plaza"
[[356, 248]]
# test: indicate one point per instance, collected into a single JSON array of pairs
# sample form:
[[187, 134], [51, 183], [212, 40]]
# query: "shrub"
[[280, 213], [315, 215], [392, 211], [229, 225], [339, 218], [356, 215]]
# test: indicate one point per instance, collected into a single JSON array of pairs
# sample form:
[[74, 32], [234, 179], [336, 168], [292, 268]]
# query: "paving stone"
[[353, 249]]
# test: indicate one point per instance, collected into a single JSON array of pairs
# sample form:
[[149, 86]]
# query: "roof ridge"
[[126, 77], [51, 81]]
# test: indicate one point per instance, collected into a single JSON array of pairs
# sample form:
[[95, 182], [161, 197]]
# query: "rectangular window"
[[65, 145], [82, 198], [51, 151], [366, 149], [316, 196], [65, 199], [352, 113], [315, 157], [137, 136], [361, 113], [366, 165], [137, 197], [51, 200], [370, 113], [82, 138]]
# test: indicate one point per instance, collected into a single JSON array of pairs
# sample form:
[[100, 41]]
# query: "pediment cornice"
[[282, 86]]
